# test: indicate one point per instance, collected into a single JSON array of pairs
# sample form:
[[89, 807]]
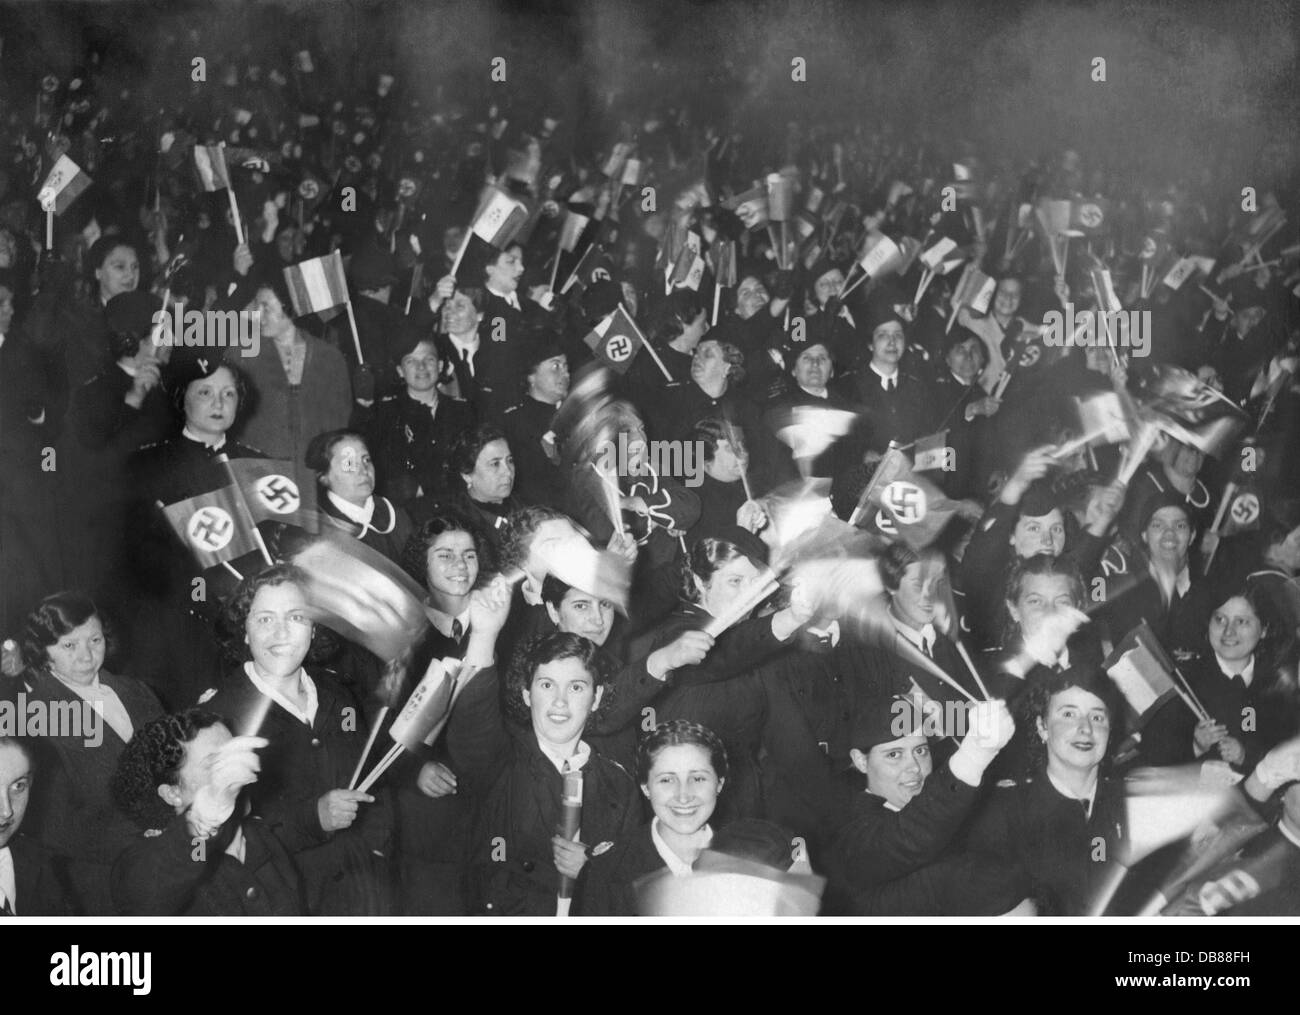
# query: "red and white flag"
[[318, 284]]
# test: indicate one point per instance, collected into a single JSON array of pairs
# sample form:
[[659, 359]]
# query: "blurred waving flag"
[[909, 506], [210, 162]]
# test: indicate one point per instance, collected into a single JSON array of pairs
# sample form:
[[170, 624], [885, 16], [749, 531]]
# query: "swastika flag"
[[616, 340], [214, 526], [273, 493], [910, 506]]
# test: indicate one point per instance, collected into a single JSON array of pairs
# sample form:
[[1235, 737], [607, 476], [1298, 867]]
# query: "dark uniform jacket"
[[902, 415], [538, 480], [346, 872], [410, 443], [165, 874], [1065, 854], [516, 791], [41, 880]]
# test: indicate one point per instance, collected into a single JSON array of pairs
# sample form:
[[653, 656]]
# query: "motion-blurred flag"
[[360, 594], [616, 340], [940, 252], [1143, 673], [932, 452], [584, 271], [427, 709], [215, 526], [572, 229], [273, 493], [911, 506], [1102, 417], [318, 284], [210, 162], [1090, 215], [750, 207], [724, 262], [312, 190], [631, 176], [883, 255], [1245, 508], [62, 186], [975, 290], [617, 160], [780, 197], [1190, 410], [1183, 269], [1104, 287]]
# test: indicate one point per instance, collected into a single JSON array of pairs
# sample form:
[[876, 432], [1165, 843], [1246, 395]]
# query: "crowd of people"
[[946, 737]]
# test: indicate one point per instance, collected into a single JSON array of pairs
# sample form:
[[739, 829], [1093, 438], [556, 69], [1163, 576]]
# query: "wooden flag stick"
[[970, 665], [356, 339], [658, 362], [385, 763], [370, 743], [234, 213], [231, 568], [559, 249], [416, 277], [1179, 679], [717, 300], [49, 231], [927, 276], [741, 608], [464, 246]]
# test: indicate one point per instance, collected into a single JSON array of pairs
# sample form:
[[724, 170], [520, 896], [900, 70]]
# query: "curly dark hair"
[[519, 531], [547, 648], [674, 733], [1037, 699], [153, 758], [415, 554], [235, 610], [707, 557]]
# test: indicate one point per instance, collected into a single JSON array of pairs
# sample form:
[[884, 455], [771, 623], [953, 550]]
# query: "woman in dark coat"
[[316, 734], [681, 769], [200, 853], [64, 643], [174, 642], [1240, 679], [345, 480], [515, 773], [1064, 826], [39, 885], [723, 693]]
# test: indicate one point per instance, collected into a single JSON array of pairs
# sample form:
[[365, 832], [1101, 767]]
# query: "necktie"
[[469, 363], [927, 648], [456, 630], [889, 384]]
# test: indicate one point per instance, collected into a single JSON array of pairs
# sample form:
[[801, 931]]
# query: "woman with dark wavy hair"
[[64, 645], [316, 733], [1063, 825], [201, 852], [681, 769]]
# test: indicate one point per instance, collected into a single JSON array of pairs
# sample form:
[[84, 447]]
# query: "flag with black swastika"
[[909, 506], [274, 494], [215, 527], [616, 340]]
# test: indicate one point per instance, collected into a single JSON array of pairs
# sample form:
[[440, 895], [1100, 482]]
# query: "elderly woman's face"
[[964, 360], [1076, 729], [683, 787], [812, 370], [452, 564], [278, 629], [77, 656], [729, 583], [493, 478], [351, 473], [709, 366], [120, 273], [211, 403]]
